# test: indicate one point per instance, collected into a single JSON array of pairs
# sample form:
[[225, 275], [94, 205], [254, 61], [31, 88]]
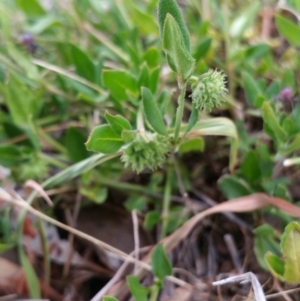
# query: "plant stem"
[[51, 141], [154, 292], [179, 112], [52, 160], [166, 204], [228, 45], [140, 120]]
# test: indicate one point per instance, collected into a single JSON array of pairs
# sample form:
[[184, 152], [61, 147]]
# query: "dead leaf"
[[243, 204]]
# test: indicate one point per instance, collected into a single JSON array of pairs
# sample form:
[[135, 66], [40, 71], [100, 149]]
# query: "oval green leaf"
[[179, 58], [171, 7], [161, 265], [152, 112], [104, 139], [118, 123], [288, 29], [138, 291], [290, 245]]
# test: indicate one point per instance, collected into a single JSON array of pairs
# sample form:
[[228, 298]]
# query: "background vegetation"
[[72, 68]]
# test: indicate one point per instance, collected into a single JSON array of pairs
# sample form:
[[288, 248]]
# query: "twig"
[[114, 251], [282, 292], [72, 221], [135, 222], [247, 277], [233, 253], [116, 277], [166, 204], [291, 291]]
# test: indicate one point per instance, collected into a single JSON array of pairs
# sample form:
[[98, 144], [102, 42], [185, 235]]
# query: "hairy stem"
[[166, 204], [179, 112], [154, 292]]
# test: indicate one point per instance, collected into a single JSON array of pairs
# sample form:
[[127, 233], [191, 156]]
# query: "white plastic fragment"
[[243, 278]]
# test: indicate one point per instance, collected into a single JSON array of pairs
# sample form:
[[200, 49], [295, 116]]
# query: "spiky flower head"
[[209, 90], [147, 150]]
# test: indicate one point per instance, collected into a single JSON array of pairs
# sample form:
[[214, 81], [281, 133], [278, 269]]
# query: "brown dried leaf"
[[243, 204]]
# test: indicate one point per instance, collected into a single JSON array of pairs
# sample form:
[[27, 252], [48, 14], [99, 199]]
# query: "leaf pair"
[[175, 38], [161, 268], [288, 269], [107, 138]]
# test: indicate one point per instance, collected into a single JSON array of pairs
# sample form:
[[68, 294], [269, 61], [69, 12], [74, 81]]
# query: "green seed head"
[[148, 150], [209, 91]]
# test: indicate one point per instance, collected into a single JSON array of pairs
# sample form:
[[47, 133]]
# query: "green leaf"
[[25, 62], [233, 187], [43, 24], [151, 219], [118, 123], [288, 29], [104, 139], [32, 8], [218, 126], [265, 241], [171, 7], [252, 89], [20, 99], [152, 112], [74, 142], [288, 79], [257, 51], [275, 265], [272, 122], [152, 57], [193, 118], [128, 136], [77, 169], [136, 202], [143, 80], [179, 59], [10, 155], [161, 265], [144, 21], [96, 194], [138, 291], [5, 247], [154, 79], [244, 20], [202, 48], [109, 298], [83, 63], [290, 246], [195, 144], [30, 276], [250, 167], [119, 83]]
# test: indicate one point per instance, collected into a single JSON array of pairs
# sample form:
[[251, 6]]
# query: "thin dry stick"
[[291, 291], [280, 289], [135, 222], [72, 221], [117, 276], [247, 277], [115, 252], [233, 253]]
